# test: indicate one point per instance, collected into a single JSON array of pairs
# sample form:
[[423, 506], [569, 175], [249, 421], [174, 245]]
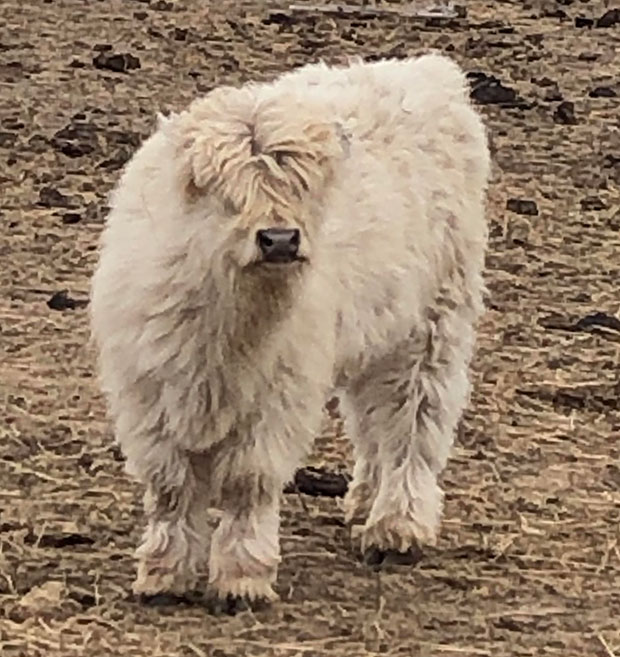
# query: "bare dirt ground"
[[529, 558]]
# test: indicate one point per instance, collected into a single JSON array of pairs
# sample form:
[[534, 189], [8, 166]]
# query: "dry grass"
[[529, 559]]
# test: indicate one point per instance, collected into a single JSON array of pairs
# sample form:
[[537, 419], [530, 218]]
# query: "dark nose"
[[278, 244]]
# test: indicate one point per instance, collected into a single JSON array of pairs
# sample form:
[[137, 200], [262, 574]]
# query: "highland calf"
[[267, 246]]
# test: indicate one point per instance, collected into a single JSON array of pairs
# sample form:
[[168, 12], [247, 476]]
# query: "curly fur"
[[216, 366]]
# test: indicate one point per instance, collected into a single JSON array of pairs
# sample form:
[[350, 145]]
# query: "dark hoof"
[[232, 605], [381, 558], [172, 599], [161, 599]]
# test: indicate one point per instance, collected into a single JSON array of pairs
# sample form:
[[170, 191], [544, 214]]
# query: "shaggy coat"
[[216, 364]]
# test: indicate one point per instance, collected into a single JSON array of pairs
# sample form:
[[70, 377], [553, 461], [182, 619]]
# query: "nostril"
[[294, 241], [264, 241]]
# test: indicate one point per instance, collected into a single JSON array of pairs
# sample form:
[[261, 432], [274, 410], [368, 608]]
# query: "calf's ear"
[[210, 135]]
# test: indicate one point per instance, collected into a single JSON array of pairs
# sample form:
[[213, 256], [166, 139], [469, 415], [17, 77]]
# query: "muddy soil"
[[529, 557]]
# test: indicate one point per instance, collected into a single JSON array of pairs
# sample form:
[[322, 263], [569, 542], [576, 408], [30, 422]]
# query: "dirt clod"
[[609, 18], [583, 21], [50, 197], [116, 62], [565, 113], [522, 206], [489, 90], [319, 483], [71, 218], [602, 92], [76, 139], [62, 301], [598, 319], [592, 203]]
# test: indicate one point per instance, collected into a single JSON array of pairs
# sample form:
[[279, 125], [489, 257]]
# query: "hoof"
[[165, 599], [232, 605], [378, 558]]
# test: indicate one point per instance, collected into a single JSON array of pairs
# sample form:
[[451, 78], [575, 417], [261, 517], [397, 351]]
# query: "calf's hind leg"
[[407, 406]]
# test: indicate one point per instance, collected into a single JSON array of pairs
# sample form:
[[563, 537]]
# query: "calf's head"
[[257, 166]]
